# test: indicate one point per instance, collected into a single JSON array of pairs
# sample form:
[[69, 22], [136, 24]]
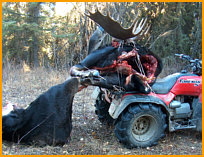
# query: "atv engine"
[[181, 113]]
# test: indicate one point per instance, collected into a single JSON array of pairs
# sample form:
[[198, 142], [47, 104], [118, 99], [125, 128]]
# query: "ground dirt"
[[21, 86]]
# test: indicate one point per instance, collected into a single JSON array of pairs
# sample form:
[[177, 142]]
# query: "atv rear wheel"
[[141, 126], [102, 107]]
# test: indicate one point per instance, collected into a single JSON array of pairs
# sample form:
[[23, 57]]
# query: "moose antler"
[[115, 29]]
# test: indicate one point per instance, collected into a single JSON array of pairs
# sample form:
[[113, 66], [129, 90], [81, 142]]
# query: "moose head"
[[124, 62]]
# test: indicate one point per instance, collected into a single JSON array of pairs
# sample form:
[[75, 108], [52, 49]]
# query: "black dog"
[[47, 120]]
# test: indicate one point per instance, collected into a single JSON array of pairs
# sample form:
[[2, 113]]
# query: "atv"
[[140, 120]]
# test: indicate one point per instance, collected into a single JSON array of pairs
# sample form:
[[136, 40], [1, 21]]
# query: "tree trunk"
[[35, 51], [33, 18], [36, 12]]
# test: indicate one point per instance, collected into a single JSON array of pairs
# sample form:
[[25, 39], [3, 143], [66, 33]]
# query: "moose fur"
[[47, 120]]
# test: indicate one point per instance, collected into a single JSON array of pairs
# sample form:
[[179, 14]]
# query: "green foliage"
[[34, 33]]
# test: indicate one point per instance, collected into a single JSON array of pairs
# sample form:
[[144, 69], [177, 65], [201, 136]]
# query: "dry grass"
[[22, 86]]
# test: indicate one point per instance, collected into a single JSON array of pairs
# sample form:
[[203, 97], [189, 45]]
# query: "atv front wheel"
[[141, 126], [102, 107]]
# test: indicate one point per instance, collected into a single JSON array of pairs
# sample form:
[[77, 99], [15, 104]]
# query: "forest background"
[[56, 35], [41, 41]]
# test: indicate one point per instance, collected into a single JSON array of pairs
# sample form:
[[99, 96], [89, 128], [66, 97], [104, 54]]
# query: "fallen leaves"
[[89, 136]]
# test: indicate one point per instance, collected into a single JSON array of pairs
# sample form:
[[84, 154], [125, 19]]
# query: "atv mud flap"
[[197, 114]]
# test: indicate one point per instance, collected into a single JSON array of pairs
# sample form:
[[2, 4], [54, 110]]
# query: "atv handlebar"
[[195, 64], [182, 56]]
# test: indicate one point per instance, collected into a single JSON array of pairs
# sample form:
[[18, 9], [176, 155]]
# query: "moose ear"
[[96, 39]]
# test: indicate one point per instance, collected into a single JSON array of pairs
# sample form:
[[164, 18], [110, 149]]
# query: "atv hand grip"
[[179, 55], [186, 57]]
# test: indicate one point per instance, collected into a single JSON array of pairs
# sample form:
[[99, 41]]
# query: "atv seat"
[[164, 85]]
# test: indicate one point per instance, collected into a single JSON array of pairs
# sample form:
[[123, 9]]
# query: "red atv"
[[174, 103]]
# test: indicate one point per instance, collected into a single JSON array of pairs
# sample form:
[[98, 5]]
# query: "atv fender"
[[130, 99]]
